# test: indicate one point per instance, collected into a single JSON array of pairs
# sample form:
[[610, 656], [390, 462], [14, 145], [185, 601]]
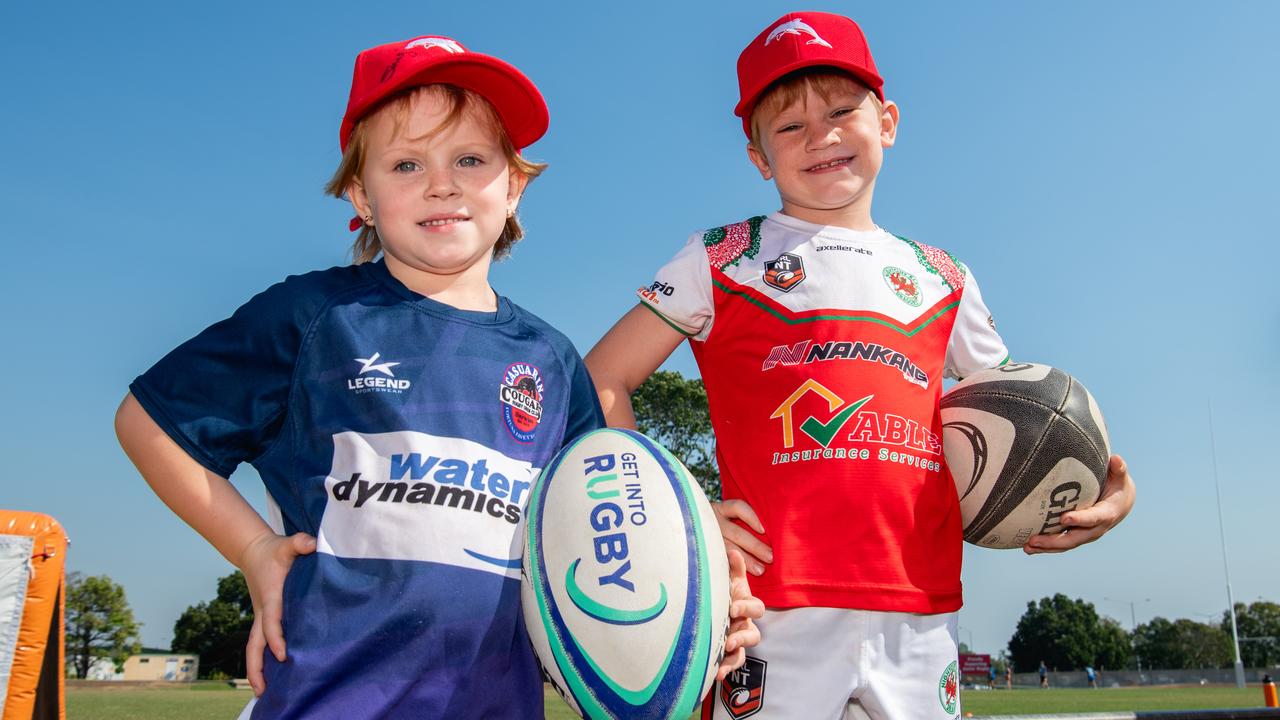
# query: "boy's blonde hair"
[[460, 102], [791, 88]]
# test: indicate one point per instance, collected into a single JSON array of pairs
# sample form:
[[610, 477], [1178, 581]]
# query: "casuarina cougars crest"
[[521, 396]]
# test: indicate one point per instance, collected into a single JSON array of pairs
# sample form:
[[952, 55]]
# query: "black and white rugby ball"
[[1025, 443]]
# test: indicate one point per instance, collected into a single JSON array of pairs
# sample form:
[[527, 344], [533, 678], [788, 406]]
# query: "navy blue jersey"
[[404, 434]]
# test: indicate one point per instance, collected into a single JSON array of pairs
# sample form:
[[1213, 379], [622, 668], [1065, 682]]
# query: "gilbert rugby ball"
[[1025, 443], [625, 588]]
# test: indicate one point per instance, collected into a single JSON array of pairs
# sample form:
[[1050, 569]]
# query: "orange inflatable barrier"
[[33, 550]]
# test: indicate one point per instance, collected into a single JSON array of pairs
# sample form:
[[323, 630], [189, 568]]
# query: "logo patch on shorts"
[[521, 396], [784, 273], [742, 691], [949, 689]]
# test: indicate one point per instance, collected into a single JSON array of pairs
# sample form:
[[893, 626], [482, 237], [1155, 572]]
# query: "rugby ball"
[[625, 587], [1025, 443]]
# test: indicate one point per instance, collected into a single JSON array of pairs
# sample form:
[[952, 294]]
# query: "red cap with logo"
[[387, 69], [800, 40]]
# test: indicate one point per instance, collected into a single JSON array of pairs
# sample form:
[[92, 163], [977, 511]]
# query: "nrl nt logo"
[[785, 272]]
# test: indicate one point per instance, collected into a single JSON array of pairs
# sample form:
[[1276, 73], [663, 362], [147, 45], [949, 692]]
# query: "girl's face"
[[439, 194]]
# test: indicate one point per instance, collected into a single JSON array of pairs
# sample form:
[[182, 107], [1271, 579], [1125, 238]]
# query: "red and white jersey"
[[823, 350]]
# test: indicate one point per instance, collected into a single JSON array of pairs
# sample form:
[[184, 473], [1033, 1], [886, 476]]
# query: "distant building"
[[160, 665], [100, 669]]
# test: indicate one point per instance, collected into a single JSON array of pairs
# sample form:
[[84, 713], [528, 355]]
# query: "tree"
[[1182, 644], [1260, 623], [674, 412], [1114, 647], [99, 622], [1067, 635], [218, 630]]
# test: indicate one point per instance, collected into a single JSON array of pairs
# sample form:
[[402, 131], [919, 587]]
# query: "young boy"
[[822, 340], [398, 411]]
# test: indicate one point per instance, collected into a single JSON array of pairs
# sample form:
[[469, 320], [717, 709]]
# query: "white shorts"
[[833, 664]]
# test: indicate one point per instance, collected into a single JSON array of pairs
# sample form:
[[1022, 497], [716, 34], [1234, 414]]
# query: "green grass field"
[[216, 701], [1036, 700]]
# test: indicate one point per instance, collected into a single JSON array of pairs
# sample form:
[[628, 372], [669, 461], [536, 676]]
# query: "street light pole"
[[1133, 618], [1222, 533]]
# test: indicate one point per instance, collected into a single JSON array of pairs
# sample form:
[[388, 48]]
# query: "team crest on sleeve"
[[521, 396], [785, 272], [742, 691], [903, 284]]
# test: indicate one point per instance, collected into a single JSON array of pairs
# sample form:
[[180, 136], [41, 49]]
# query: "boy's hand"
[[265, 562], [1091, 523], [753, 549], [743, 609]]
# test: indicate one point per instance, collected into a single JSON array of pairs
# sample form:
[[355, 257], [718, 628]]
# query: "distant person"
[[991, 677], [1044, 675], [1092, 676], [1008, 676]]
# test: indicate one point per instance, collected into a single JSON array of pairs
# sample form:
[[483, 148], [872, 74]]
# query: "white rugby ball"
[[1025, 444], [625, 587]]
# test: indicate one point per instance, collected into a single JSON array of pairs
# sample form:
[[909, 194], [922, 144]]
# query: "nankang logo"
[[377, 376], [521, 396], [806, 352]]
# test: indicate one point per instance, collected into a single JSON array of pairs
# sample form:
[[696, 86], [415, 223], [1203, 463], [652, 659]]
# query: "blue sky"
[[1106, 170]]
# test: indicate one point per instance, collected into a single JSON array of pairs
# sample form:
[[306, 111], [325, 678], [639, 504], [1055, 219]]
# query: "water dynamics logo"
[[377, 376], [414, 478], [521, 395]]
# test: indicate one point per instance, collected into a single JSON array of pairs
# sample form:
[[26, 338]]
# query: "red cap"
[[387, 69], [799, 40]]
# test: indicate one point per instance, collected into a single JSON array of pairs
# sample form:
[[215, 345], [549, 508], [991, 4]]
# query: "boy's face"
[[439, 195], [824, 154]]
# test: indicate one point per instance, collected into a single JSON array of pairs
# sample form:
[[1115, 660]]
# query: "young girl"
[[398, 411]]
